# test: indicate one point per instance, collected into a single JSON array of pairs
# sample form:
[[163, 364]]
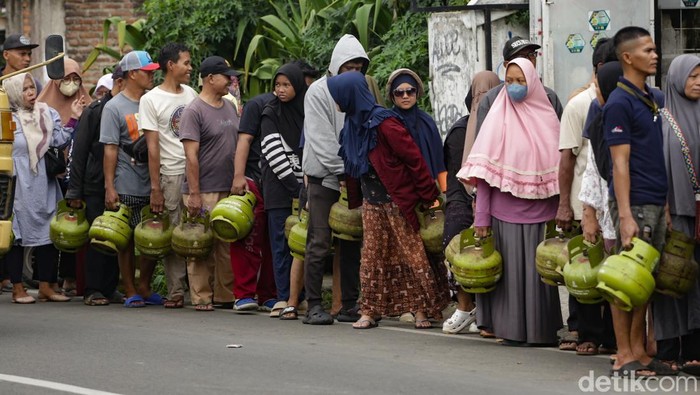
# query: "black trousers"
[[684, 348], [66, 265], [101, 270], [318, 247], [46, 263], [595, 324]]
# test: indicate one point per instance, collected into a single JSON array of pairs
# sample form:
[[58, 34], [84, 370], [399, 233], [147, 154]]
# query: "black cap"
[[14, 41], [216, 65], [118, 72], [515, 45]]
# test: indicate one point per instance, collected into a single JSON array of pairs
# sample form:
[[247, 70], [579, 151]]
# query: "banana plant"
[[281, 36], [131, 34]]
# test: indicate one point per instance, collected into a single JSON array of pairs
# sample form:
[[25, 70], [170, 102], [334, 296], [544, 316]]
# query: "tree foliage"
[[206, 27], [131, 34], [258, 36], [405, 45]]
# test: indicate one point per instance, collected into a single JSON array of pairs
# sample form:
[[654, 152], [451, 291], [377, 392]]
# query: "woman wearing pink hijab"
[[514, 165]]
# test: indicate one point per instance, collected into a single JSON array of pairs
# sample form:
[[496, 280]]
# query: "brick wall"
[[84, 24]]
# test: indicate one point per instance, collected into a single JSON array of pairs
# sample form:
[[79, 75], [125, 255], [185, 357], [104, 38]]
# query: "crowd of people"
[[610, 159]]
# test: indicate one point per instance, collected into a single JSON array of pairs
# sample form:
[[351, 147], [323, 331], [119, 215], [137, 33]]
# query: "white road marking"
[[53, 385]]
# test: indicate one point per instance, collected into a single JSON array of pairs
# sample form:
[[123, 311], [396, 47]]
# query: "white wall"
[[456, 46]]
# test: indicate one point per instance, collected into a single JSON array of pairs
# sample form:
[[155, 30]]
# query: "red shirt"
[[401, 168]]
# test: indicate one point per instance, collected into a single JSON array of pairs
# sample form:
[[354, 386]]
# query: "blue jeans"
[[281, 257]]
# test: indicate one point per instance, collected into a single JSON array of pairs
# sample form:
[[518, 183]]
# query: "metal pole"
[[487, 36]]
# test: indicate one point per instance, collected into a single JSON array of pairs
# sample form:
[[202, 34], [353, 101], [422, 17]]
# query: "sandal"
[[277, 309], [692, 367], [177, 303], [486, 334], [365, 323], [568, 343], [317, 316], [459, 322], [661, 368], [96, 299], [134, 302], [204, 307], [630, 368], [586, 348], [423, 324], [289, 313]]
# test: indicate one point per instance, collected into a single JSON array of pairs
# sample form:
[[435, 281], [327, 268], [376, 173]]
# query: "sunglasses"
[[400, 92]]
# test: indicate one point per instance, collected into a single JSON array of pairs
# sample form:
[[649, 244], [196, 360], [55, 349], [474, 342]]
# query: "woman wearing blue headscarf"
[[378, 150]]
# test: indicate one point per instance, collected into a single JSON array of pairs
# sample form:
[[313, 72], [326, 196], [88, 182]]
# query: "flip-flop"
[[370, 324], [204, 307], [154, 299], [289, 313], [661, 369], [135, 301], [627, 369], [590, 349], [691, 368], [96, 299], [174, 303], [418, 324]]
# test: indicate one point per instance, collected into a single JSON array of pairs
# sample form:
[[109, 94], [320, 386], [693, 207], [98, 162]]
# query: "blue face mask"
[[517, 92]]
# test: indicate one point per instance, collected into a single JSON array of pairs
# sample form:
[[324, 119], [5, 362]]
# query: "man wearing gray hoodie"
[[324, 170]]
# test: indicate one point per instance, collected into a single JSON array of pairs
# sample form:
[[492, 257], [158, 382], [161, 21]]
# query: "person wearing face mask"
[[60, 94], [516, 48], [514, 165], [36, 194]]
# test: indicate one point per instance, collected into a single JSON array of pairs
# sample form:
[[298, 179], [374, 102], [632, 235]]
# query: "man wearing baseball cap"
[[209, 132], [127, 180], [17, 52], [87, 184], [516, 47]]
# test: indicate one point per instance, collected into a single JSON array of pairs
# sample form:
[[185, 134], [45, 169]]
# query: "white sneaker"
[[460, 321]]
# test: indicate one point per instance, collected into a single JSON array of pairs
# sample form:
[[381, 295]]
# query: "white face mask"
[[69, 88]]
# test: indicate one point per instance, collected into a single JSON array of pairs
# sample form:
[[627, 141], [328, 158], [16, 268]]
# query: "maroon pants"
[[251, 259]]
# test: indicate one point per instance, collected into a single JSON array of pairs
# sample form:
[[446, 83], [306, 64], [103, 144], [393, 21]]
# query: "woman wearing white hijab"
[[38, 127]]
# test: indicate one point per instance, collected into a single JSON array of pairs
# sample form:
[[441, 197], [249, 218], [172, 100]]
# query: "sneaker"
[[246, 304], [459, 322]]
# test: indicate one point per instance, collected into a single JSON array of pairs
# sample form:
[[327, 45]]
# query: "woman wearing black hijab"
[[280, 126]]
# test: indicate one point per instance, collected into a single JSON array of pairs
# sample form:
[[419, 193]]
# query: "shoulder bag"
[[685, 150]]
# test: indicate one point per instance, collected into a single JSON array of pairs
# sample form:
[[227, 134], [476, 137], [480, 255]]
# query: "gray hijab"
[[687, 114]]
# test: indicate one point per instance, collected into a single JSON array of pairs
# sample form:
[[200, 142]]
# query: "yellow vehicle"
[[53, 52]]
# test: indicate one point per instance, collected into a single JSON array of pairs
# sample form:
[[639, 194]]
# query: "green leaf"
[[91, 58], [121, 34], [280, 26], [361, 23], [252, 48], [240, 31], [135, 37]]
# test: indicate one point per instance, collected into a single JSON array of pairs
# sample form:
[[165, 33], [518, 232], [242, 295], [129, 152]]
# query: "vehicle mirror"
[[53, 47]]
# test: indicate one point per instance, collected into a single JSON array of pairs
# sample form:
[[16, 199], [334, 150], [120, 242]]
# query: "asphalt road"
[[77, 349]]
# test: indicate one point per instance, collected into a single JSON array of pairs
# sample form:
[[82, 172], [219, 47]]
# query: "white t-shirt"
[[160, 110], [571, 137]]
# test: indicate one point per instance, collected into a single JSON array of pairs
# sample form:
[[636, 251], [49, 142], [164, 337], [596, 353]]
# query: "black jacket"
[[86, 174]]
